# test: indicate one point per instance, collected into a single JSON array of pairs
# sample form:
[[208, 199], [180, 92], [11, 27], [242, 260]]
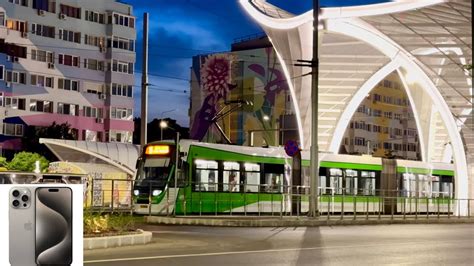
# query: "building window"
[[123, 20], [42, 30], [122, 67], [42, 81], [359, 141], [42, 56], [90, 111], [68, 109], [19, 2], [2, 18], [70, 36], [2, 70], [13, 129], [68, 84], [16, 25], [122, 90], [41, 106], [95, 17], [121, 113], [15, 103], [68, 60], [70, 11], [377, 113], [94, 40], [387, 115], [120, 136], [15, 77], [121, 43], [46, 5], [94, 64]]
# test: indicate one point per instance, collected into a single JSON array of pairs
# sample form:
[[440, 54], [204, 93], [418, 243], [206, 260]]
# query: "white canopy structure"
[[428, 42], [120, 155]]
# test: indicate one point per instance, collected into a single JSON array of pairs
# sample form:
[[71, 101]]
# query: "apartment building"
[[384, 123], [67, 61]]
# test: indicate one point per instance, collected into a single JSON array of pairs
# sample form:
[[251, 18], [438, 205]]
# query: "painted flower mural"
[[215, 82], [234, 76]]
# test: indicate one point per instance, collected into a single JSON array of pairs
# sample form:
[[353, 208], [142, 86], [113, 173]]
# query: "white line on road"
[[264, 251]]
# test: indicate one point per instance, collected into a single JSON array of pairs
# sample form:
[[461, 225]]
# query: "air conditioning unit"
[[40, 12], [62, 16], [8, 84], [24, 34], [50, 65], [102, 96], [99, 120]]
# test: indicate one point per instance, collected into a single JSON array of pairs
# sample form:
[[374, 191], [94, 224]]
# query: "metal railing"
[[219, 199]]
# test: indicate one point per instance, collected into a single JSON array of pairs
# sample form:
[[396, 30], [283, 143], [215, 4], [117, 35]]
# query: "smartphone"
[[22, 226], [53, 227]]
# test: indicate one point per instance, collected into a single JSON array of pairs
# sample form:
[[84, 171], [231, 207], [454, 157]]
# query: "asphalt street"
[[444, 244]]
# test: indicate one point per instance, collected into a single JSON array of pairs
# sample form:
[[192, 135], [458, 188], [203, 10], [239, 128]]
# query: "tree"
[[154, 130], [26, 161], [32, 135]]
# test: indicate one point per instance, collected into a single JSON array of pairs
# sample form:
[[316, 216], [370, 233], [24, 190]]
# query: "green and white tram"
[[217, 178]]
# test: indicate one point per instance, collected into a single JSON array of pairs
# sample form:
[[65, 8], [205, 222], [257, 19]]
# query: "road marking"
[[263, 251]]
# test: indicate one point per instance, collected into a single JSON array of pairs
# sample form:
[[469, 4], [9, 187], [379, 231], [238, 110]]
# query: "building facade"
[[384, 124], [244, 93], [67, 61]]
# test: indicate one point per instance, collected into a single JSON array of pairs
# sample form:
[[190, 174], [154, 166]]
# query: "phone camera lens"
[[16, 203], [24, 198], [15, 193]]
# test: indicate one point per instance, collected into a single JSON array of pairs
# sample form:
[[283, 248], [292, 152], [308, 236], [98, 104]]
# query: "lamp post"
[[163, 124]]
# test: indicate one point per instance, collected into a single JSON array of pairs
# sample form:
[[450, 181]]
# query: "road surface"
[[451, 244]]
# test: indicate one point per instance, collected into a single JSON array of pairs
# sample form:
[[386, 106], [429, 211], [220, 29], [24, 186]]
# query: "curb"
[[117, 241], [236, 222]]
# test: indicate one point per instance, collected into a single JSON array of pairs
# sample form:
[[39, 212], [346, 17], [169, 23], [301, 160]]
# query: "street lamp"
[[164, 124]]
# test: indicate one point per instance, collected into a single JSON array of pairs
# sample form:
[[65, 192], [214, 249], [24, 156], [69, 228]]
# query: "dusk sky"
[[180, 29]]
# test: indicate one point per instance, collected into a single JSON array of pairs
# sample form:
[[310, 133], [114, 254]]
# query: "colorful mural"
[[254, 76]]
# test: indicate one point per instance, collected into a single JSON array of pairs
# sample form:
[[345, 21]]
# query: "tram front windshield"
[[153, 170]]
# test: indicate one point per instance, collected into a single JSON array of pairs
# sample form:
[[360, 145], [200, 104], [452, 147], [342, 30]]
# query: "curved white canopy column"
[[345, 21]]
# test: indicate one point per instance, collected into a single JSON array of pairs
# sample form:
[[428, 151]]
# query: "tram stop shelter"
[[110, 168], [429, 44]]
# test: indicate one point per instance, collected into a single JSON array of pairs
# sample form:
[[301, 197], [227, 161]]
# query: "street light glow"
[[163, 124], [266, 117]]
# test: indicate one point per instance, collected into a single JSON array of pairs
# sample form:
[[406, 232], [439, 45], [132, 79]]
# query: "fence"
[[293, 201]]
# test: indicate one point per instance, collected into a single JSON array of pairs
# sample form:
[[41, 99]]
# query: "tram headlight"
[[136, 192], [156, 192]]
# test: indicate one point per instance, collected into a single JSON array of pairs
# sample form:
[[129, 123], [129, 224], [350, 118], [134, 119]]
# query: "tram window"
[[252, 177], [367, 183], [435, 186], [409, 185], [206, 175], [231, 176], [273, 178], [335, 180], [351, 182], [156, 168], [446, 186], [424, 186]]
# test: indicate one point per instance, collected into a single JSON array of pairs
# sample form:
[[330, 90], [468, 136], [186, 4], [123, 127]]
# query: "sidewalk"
[[289, 221]]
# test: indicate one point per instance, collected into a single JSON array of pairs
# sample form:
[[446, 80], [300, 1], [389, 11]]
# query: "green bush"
[[3, 162], [26, 161], [99, 224]]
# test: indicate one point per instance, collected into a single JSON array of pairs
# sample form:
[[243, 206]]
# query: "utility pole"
[[144, 98], [314, 150], [314, 178]]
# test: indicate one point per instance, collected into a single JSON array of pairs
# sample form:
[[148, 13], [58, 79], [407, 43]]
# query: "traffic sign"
[[292, 148]]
